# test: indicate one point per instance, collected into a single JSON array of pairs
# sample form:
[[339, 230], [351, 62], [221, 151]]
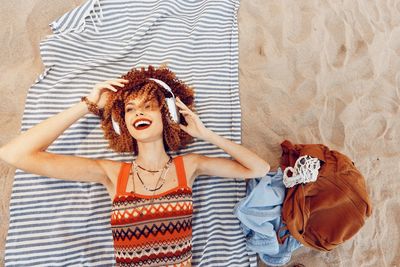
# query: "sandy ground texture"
[[310, 71]]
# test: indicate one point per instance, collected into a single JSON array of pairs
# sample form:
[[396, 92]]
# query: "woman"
[[152, 206]]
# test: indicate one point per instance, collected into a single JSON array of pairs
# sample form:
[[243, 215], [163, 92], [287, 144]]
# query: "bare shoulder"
[[194, 159], [190, 158], [112, 169], [190, 162]]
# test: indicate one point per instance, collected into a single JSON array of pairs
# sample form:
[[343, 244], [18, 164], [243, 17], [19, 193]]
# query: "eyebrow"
[[131, 103]]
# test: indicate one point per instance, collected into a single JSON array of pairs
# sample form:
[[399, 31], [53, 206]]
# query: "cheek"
[[127, 118], [159, 120]]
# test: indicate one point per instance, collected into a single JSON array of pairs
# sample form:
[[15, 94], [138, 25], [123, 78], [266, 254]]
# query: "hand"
[[100, 91], [195, 126]]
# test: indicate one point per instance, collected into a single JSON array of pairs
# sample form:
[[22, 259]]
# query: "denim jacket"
[[260, 218]]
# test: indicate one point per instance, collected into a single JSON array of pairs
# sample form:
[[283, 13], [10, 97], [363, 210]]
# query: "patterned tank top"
[[154, 232]]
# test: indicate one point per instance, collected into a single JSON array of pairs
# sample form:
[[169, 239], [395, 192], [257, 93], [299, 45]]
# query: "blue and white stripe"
[[62, 223]]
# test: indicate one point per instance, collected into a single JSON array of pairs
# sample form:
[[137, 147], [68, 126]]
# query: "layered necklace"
[[163, 171]]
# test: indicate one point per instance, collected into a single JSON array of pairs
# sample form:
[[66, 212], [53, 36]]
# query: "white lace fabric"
[[305, 170]]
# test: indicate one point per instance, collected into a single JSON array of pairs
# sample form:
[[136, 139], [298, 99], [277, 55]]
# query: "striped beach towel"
[[65, 223]]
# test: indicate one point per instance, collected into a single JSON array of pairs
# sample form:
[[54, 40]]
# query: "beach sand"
[[310, 72]]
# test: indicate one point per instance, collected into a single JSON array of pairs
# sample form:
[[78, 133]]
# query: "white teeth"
[[142, 123]]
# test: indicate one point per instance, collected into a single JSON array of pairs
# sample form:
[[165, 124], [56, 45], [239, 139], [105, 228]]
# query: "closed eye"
[[148, 106]]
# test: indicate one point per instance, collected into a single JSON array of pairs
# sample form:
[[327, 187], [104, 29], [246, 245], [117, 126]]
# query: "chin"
[[147, 136]]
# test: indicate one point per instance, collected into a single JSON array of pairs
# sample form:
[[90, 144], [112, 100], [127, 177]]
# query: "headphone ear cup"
[[173, 109], [115, 126]]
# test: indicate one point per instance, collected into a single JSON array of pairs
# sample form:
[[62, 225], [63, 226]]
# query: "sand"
[[310, 71]]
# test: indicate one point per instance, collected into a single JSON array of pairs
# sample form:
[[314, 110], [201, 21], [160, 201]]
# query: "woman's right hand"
[[100, 91]]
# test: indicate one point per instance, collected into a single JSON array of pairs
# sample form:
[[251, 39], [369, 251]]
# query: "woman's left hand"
[[195, 126]]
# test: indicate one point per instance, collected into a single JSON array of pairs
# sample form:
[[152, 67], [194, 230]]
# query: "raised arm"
[[27, 150], [246, 164]]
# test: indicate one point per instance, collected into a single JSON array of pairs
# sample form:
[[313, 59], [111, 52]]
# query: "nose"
[[141, 113]]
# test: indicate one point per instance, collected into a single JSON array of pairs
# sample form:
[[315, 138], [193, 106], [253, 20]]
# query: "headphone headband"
[[163, 84]]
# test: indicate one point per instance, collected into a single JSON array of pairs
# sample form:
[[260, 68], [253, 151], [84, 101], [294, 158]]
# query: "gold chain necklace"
[[145, 186], [133, 174], [151, 170], [152, 197], [167, 165]]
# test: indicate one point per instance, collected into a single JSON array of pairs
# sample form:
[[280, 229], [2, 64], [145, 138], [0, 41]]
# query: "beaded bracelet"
[[92, 107]]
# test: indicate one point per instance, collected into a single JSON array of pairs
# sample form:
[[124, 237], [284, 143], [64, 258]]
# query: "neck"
[[152, 155]]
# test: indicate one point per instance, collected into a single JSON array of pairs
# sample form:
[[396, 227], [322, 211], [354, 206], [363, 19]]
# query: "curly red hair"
[[174, 137]]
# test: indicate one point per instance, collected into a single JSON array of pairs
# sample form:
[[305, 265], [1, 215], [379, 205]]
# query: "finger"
[[182, 105], [117, 83], [188, 110], [186, 116], [100, 86], [184, 112], [109, 87], [180, 101], [123, 80], [183, 127], [112, 89]]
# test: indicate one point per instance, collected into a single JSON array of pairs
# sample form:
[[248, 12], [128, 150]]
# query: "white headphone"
[[173, 110]]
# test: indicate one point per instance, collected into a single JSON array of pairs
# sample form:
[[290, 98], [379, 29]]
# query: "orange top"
[[152, 230]]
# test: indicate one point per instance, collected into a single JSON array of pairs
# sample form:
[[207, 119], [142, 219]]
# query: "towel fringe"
[[97, 16], [82, 22]]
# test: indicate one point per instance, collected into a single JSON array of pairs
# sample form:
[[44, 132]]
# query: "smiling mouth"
[[142, 124], [142, 127]]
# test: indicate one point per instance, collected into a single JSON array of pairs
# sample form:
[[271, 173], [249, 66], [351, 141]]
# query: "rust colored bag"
[[325, 213]]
